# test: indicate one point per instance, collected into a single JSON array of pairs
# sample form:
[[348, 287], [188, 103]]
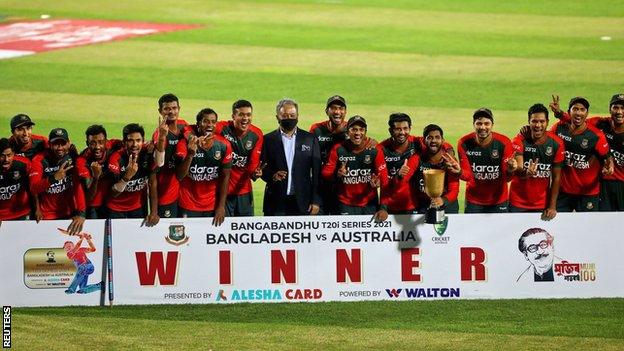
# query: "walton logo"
[[394, 292], [221, 296]]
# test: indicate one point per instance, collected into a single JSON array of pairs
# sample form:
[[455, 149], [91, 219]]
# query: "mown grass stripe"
[[130, 54]]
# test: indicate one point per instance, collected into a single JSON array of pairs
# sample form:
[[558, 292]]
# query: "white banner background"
[[594, 238], [22, 241]]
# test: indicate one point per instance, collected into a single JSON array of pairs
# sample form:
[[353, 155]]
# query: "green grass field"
[[436, 60], [592, 324]]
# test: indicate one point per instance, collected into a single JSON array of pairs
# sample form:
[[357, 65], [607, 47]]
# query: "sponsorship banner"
[[350, 258], [41, 265], [27, 38]]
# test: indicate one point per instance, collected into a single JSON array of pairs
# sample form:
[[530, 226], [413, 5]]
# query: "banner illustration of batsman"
[[41, 265], [279, 259]]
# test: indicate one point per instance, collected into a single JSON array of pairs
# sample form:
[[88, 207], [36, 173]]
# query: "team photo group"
[[207, 167]]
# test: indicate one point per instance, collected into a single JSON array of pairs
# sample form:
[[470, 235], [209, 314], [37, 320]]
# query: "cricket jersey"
[[399, 195], [615, 140], [583, 152], [38, 145], [328, 138], [198, 190], [14, 196], [134, 196], [451, 181], [532, 192], [246, 150], [168, 184], [484, 168], [58, 199], [354, 189], [83, 165]]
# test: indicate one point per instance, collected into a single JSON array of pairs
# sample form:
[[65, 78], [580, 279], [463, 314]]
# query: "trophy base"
[[434, 215]]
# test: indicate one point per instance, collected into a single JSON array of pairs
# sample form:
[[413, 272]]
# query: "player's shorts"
[[168, 211], [100, 212], [239, 205], [138, 213], [514, 209], [578, 203], [611, 195], [184, 213], [503, 207], [369, 209]]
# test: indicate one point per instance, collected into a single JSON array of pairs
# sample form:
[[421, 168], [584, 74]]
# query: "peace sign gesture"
[[62, 171], [554, 106], [132, 168], [451, 163], [163, 128], [531, 170]]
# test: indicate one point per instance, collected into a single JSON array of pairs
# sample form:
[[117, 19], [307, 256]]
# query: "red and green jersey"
[[168, 184], [327, 137], [246, 150], [58, 199], [583, 152], [615, 140], [354, 189], [399, 195], [198, 190], [134, 196], [14, 196], [484, 168], [532, 192], [38, 145], [83, 165]]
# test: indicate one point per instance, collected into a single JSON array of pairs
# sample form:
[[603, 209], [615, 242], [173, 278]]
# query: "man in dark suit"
[[291, 162]]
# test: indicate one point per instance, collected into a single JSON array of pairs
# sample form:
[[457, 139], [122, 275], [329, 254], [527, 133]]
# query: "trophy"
[[434, 187]]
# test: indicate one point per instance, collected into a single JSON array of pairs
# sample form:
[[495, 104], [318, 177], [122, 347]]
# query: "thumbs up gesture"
[[404, 170]]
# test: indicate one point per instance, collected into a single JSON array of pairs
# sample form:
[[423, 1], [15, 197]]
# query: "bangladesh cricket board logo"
[[177, 235]]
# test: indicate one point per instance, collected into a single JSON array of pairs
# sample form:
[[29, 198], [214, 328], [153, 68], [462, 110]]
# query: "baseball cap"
[[355, 120], [20, 120], [336, 99], [617, 99], [58, 133], [483, 112], [579, 100]]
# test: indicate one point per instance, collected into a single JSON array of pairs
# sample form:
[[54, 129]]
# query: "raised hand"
[[132, 168], [258, 172], [62, 171], [374, 181], [451, 163], [163, 127], [193, 142], [343, 170], [555, 107], [279, 176], [404, 170], [96, 170], [531, 170], [512, 164], [525, 131], [607, 167]]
